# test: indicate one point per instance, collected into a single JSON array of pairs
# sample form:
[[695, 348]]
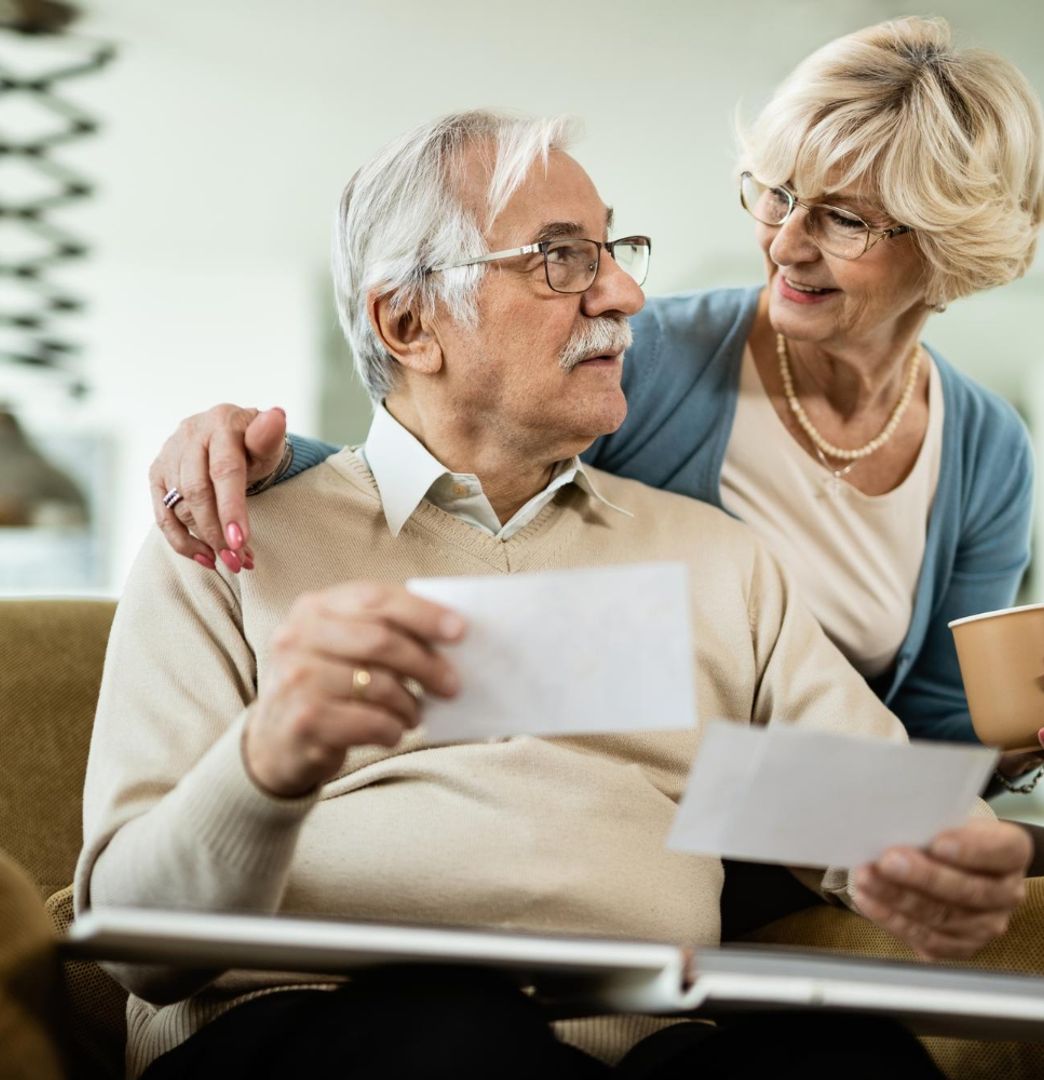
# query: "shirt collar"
[[405, 471], [402, 467]]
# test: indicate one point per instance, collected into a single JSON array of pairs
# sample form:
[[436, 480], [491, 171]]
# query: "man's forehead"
[[553, 201]]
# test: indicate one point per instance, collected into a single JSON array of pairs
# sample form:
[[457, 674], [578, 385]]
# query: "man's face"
[[507, 375]]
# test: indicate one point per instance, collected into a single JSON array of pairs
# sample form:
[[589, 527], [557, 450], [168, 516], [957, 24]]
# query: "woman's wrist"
[[1022, 783], [277, 473]]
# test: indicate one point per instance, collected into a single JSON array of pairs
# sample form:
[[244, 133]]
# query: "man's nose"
[[613, 290]]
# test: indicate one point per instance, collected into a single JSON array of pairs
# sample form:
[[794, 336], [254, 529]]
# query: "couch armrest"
[[29, 981]]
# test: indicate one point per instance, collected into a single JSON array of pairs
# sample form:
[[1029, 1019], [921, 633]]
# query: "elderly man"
[[255, 745]]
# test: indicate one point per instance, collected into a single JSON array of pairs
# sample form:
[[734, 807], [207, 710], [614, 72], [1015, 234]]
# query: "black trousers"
[[443, 1024]]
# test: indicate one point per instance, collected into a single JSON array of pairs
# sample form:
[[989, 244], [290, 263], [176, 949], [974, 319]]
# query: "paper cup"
[[1001, 654]]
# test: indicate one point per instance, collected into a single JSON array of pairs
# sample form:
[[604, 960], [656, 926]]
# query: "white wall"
[[231, 127]]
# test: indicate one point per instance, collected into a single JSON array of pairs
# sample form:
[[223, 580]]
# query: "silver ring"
[[172, 498]]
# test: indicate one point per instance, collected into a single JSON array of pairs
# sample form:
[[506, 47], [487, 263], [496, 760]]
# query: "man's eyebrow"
[[567, 230], [558, 230]]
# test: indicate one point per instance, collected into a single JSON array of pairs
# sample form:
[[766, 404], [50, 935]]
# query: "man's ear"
[[408, 336]]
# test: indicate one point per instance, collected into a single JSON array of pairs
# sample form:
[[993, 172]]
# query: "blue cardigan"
[[681, 378]]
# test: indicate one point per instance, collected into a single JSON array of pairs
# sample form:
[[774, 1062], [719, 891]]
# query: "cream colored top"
[[856, 557], [564, 834]]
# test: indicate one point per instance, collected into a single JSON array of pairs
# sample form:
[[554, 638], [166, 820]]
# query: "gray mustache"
[[604, 334]]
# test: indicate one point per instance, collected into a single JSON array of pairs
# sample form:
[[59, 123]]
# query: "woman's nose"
[[793, 243]]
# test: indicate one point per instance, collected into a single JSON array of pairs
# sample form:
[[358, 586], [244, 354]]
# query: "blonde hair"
[[949, 141]]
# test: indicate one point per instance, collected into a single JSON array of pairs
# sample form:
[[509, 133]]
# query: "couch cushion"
[[51, 656], [95, 1005], [1021, 949]]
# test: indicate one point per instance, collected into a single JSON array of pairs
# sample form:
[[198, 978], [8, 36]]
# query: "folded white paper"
[[808, 798], [567, 652]]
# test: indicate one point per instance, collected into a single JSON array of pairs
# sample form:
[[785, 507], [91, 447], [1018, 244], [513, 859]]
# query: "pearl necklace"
[[820, 444]]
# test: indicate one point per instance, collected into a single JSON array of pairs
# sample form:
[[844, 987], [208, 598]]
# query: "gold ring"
[[361, 679]]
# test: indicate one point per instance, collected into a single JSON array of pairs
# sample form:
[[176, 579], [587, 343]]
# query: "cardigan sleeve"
[[307, 453], [991, 555]]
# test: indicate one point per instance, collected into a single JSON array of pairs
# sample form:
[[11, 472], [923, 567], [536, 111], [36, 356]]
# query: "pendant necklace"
[[835, 482]]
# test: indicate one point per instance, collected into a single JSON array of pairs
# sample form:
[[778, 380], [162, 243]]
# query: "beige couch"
[[51, 655]]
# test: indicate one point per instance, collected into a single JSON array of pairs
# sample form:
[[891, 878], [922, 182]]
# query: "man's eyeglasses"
[[571, 266], [837, 231]]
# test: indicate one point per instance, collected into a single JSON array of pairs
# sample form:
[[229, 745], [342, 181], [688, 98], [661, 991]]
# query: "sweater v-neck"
[[502, 555]]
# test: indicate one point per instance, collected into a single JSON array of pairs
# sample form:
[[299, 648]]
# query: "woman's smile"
[[799, 293]]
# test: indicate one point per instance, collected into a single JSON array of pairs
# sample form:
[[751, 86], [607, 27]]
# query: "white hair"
[[403, 213], [950, 140]]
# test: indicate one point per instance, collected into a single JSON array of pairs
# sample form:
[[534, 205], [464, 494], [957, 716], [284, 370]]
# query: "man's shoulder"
[[342, 474], [666, 509], [724, 555]]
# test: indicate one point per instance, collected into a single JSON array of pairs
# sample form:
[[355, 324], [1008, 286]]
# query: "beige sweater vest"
[[542, 834]]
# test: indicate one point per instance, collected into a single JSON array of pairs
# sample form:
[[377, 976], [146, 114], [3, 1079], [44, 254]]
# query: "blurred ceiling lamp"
[[36, 185], [36, 16]]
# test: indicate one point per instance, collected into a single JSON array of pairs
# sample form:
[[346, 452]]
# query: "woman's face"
[[839, 303]]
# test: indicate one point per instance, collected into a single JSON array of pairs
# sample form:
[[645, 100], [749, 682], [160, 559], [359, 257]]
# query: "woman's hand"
[[336, 681], [951, 900], [1017, 762], [211, 459]]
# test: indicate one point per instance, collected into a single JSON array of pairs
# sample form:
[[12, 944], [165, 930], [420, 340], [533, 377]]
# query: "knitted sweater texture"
[[563, 834]]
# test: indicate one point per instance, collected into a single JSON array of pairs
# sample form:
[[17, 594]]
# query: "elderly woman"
[[888, 177]]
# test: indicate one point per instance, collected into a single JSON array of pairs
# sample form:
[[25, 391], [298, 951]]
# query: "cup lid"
[[993, 614]]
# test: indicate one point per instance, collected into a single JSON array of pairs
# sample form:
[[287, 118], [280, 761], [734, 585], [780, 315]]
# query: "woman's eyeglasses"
[[837, 231]]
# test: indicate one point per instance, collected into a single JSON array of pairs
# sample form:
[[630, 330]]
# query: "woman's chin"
[[799, 325]]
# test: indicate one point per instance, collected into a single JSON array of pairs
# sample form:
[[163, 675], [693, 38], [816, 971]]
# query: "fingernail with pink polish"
[[248, 562], [234, 536], [231, 560], [1040, 736], [205, 561]]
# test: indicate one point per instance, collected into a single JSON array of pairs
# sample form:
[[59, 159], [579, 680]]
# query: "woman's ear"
[[407, 335]]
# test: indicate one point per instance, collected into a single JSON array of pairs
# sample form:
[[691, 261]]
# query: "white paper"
[[567, 652], [808, 798]]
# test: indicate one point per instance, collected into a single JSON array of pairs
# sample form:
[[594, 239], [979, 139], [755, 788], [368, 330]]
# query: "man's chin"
[[592, 409], [609, 419]]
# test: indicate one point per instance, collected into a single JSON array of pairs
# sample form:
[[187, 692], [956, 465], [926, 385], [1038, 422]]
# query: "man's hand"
[[211, 459], [951, 900], [336, 671]]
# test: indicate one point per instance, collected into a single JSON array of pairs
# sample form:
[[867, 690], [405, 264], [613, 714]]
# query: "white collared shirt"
[[406, 474]]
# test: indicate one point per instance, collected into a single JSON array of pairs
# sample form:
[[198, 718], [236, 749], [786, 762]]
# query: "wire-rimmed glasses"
[[837, 231], [571, 264]]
